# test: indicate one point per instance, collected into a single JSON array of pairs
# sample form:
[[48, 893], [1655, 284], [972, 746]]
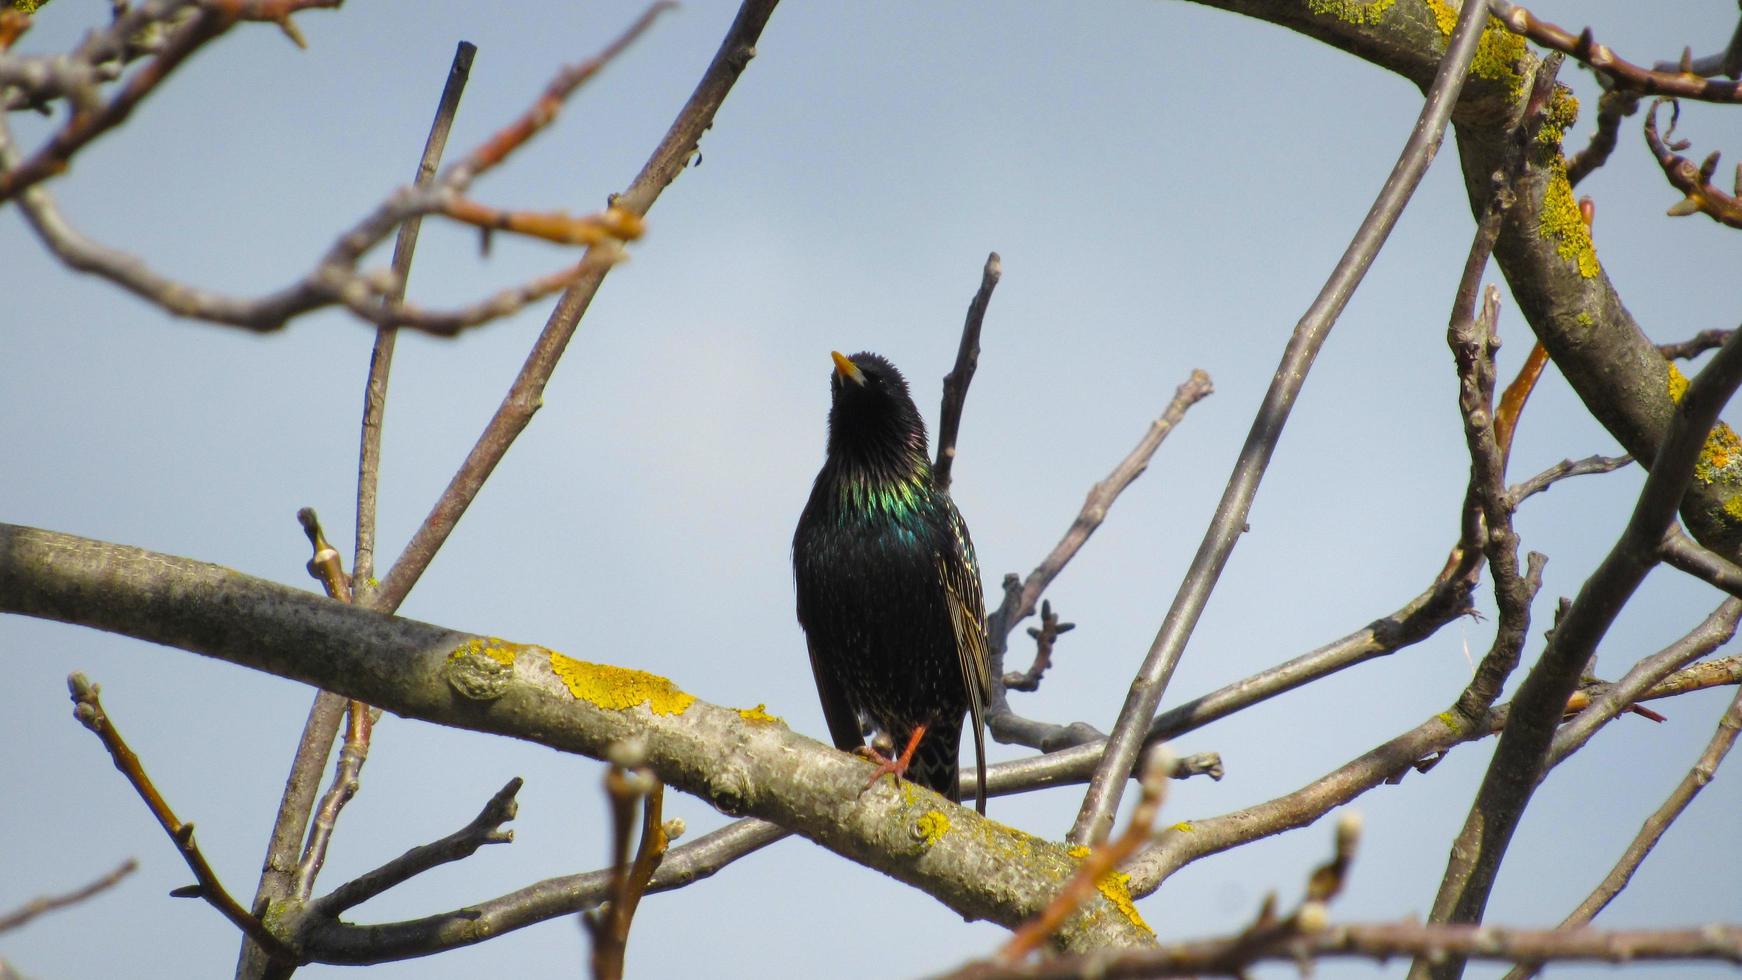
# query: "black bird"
[[888, 588]]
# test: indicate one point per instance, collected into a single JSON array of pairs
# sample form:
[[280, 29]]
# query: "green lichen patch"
[[1560, 220], [1115, 887], [1720, 458], [1445, 16], [1351, 11], [932, 826], [618, 688], [1678, 384], [480, 668], [1733, 508], [1561, 223]]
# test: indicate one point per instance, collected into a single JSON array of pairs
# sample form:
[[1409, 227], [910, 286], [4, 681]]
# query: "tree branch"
[[49, 903], [1019, 600], [1522, 754], [740, 765], [957, 381], [1096, 816], [527, 391]]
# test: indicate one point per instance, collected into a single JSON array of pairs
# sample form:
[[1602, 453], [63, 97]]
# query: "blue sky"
[[1168, 186]]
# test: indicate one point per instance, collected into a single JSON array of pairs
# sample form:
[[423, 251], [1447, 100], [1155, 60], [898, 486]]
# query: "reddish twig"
[[544, 110], [1702, 196], [1585, 49], [88, 709], [526, 392], [627, 781], [336, 279], [1098, 862], [214, 18]]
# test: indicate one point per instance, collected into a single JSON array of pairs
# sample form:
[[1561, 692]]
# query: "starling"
[[888, 588]]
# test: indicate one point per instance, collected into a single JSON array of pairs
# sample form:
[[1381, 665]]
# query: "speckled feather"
[[888, 588]]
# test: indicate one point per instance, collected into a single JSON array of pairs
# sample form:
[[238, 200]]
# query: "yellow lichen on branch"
[[619, 688]]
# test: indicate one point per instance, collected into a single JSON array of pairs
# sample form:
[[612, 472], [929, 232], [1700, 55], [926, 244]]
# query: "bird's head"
[[872, 418]]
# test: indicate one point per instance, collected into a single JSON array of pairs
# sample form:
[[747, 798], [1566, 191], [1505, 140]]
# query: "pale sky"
[[1168, 186]]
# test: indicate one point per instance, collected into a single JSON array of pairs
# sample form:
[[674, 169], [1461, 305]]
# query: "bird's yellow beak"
[[846, 368]]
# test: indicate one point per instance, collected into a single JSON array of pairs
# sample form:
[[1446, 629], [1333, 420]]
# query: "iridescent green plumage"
[[888, 588]]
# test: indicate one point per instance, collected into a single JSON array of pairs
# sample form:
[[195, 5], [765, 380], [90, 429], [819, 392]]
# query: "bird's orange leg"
[[896, 767]]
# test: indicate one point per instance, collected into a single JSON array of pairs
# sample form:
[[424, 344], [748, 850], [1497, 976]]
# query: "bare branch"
[[1379, 942], [1522, 754], [336, 280], [738, 762], [1020, 598], [1518, 493], [381, 356], [1655, 825], [1680, 551], [1096, 816], [1585, 49], [1695, 182], [49, 903], [962, 375], [1645, 678], [527, 391], [1101, 861], [1696, 345], [1613, 106], [485, 828], [1044, 638], [627, 782], [214, 17], [88, 709]]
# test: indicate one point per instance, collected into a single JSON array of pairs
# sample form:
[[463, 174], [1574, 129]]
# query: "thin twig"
[[1700, 195], [1522, 754], [1696, 345], [1646, 678], [1518, 493], [326, 566], [1095, 818], [49, 903], [88, 709], [1678, 550], [336, 279], [527, 391], [957, 381], [1101, 861], [1655, 825], [485, 828], [381, 356], [1021, 597], [1727, 62], [1044, 638], [1585, 49], [213, 19], [627, 782], [1613, 106], [1379, 942]]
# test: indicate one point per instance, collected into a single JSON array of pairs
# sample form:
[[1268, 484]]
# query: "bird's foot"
[[887, 765]]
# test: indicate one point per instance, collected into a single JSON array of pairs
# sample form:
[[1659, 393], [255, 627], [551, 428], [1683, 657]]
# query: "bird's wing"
[[961, 578], [843, 720]]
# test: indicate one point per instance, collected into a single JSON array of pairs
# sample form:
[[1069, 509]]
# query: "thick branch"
[[741, 766]]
